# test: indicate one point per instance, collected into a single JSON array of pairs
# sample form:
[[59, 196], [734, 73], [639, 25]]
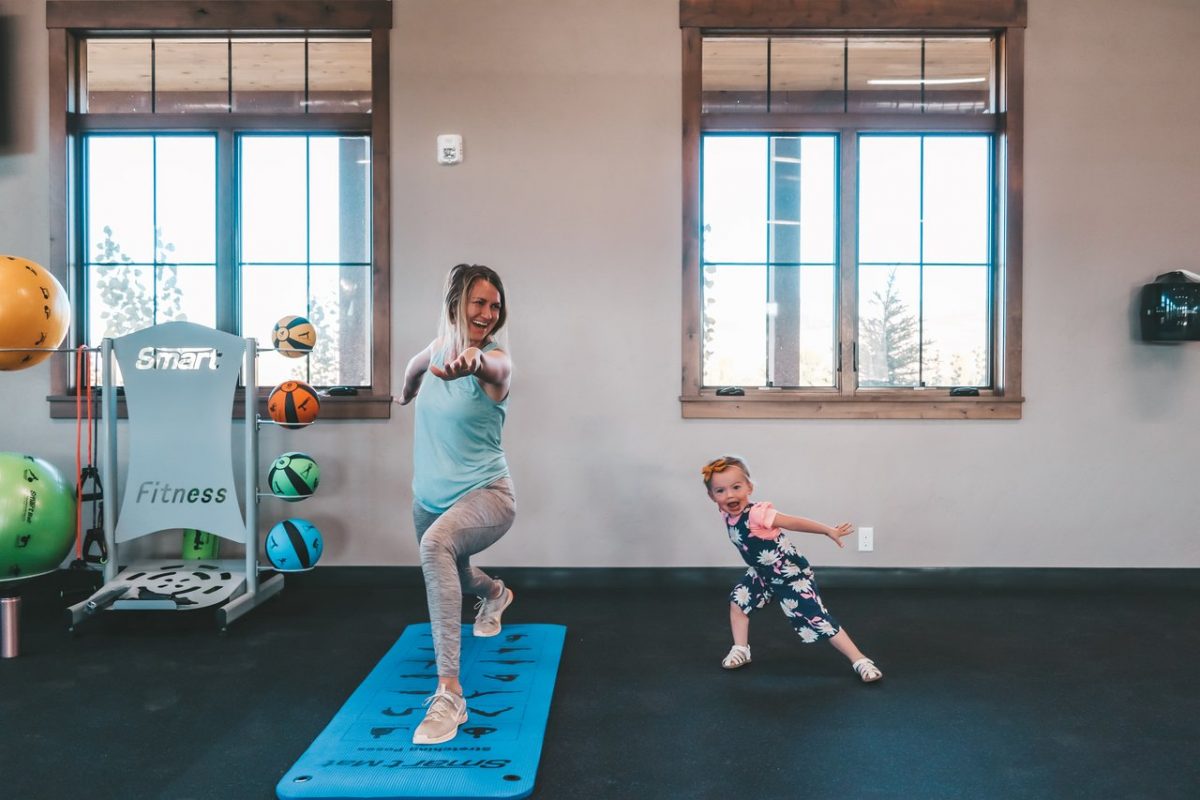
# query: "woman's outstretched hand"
[[469, 362], [845, 529]]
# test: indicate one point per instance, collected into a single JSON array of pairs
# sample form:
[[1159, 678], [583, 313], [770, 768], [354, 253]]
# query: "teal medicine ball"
[[293, 476], [294, 545], [37, 517]]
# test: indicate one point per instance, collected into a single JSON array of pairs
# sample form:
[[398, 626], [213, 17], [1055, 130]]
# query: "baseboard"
[[72, 585], [862, 578], [850, 577]]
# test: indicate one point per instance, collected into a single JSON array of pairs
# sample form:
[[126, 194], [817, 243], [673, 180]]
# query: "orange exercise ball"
[[34, 312]]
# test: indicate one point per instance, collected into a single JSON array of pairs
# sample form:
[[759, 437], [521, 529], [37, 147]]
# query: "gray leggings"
[[448, 540]]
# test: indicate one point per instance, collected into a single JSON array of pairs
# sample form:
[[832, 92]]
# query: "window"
[[769, 260], [852, 210], [228, 178]]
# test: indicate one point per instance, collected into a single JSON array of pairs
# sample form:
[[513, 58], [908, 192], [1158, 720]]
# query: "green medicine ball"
[[37, 517], [294, 476]]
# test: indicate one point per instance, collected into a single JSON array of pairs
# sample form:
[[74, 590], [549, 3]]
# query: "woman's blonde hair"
[[452, 330], [720, 465]]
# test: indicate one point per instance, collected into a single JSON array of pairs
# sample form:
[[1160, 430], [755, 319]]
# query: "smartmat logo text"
[[421, 763], [177, 358]]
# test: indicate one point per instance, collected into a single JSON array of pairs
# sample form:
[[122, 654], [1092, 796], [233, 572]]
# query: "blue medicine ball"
[[294, 545]]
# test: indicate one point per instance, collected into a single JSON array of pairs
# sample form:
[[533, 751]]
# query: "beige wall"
[[569, 111]]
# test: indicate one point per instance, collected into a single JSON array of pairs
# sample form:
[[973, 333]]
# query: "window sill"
[[784, 404], [363, 406]]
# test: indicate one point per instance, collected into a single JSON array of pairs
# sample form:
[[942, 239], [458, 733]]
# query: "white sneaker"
[[446, 712], [487, 620]]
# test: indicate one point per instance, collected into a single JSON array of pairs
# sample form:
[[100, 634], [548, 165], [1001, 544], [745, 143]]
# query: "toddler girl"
[[776, 568]]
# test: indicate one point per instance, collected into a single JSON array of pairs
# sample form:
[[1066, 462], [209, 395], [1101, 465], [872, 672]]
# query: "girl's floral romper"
[[778, 571]]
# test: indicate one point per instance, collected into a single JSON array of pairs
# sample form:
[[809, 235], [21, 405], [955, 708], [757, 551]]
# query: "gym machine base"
[[180, 380]]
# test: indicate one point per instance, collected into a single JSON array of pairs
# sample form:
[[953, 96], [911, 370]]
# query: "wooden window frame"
[[1004, 19], [71, 21]]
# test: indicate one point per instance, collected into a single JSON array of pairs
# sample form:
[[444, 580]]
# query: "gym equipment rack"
[[232, 586]]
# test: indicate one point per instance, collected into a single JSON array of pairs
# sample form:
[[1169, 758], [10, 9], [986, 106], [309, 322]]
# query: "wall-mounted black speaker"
[[1170, 308]]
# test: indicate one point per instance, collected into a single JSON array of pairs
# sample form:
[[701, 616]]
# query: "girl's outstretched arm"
[[413, 373], [805, 525]]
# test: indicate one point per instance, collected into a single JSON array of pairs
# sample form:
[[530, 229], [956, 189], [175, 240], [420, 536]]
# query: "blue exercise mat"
[[366, 750]]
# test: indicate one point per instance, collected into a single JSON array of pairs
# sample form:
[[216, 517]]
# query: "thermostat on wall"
[[450, 148]]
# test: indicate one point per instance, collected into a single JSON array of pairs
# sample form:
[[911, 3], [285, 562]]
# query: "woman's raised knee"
[[437, 543]]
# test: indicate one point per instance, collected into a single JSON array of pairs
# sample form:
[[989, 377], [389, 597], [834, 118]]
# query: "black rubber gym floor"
[[989, 692]]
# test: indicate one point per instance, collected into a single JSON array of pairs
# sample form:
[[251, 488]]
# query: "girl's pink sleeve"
[[762, 521]]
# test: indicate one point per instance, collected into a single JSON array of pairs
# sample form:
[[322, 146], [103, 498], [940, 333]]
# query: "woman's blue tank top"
[[456, 439]]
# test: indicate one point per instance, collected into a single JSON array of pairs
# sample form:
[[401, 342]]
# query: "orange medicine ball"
[[293, 404], [34, 312]]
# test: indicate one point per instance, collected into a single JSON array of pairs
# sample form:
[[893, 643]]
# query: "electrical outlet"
[[866, 540]]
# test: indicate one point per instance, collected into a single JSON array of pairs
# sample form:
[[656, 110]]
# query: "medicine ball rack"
[[180, 379]]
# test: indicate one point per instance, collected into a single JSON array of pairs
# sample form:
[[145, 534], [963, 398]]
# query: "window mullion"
[[227, 282], [784, 213], [847, 277], [78, 226], [769, 272], [154, 240], [921, 252]]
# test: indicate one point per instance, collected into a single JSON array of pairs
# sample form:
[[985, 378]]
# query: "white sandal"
[[739, 656], [867, 671]]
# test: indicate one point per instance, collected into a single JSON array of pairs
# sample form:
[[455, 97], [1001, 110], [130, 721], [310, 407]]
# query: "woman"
[[462, 494]]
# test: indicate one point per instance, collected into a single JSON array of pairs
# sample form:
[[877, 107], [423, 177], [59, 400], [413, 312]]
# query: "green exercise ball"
[[37, 517]]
